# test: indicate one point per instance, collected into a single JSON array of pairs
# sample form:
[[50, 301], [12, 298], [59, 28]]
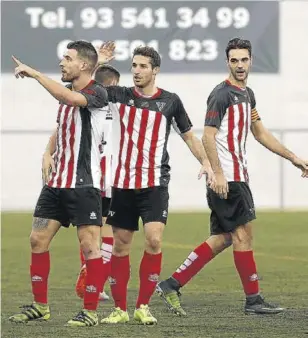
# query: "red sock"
[[246, 267], [39, 270], [194, 263], [149, 272], [93, 283], [119, 277], [82, 259], [106, 252]]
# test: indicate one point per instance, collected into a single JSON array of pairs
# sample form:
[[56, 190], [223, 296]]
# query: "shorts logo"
[[111, 213], [165, 213], [93, 215]]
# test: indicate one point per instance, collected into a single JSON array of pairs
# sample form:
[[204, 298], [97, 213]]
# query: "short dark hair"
[[149, 52], [238, 43], [85, 51], [105, 74]]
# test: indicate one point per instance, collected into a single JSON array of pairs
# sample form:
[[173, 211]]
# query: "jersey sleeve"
[[180, 122], [96, 96], [116, 93], [254, 113], [217, 105]]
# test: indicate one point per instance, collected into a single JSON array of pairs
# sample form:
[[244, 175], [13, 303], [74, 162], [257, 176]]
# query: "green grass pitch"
[[213, 300]]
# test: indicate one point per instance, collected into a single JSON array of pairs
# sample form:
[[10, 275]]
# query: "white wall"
[[282, 101]]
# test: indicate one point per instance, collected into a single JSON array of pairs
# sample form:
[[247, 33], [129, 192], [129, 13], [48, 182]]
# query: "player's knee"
[[121, 246], [120, 250], [39, 241], [90, 248], [227, 240], [241, 236], [153, 243], [122, 241], [218, 243]]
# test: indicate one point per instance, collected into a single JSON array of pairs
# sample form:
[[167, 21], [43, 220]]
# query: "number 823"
[[193, 50]]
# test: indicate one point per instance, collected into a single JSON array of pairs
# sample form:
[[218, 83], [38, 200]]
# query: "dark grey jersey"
[[231, 110]]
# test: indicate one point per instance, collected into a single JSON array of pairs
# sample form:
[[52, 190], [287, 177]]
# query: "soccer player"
[[231, 112], [140, 189], [107, 76], [72, 194]]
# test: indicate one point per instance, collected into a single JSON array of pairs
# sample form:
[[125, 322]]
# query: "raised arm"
[[58, 91]]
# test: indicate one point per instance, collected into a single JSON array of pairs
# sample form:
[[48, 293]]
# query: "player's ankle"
[[122, 308], [173, 283], [43, 305]]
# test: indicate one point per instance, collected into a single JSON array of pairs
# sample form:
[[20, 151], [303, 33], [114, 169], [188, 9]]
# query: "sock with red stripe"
[[246, 267], [93, 283], [149, 272], [106, 252], [119, 277], [39, 270], [196, 260]]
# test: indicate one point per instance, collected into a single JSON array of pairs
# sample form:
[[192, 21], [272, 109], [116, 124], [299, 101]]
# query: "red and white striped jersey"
[[231, 110], [79, 135], [141, 136], [106, 150]]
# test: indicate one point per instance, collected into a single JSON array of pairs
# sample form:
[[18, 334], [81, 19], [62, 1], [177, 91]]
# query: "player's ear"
[[84, 66], [156, 70]]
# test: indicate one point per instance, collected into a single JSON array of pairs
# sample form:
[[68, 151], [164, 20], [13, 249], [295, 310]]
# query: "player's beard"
[[66, 78], [69, 75], [240, 76], [142, 84]]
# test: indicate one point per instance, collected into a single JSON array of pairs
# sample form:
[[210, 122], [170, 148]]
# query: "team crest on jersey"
[[160, 105]]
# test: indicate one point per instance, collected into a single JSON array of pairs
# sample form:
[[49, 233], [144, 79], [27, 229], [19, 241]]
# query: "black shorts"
[[105, 206], [80, 206], [127, 205], [227, 214]]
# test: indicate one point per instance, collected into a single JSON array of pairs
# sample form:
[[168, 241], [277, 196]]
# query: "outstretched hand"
[[302, 165], [105, 52], [22, 70]]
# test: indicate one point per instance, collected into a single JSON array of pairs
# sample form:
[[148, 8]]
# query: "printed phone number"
[[132, 17], [177, 50]]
